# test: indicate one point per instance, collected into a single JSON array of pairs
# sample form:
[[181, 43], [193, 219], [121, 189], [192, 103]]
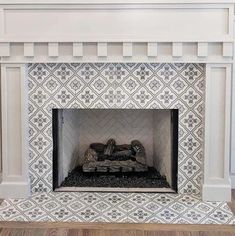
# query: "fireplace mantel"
[[157, 31], [146, 31]]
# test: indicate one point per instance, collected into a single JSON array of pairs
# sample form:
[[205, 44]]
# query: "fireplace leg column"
[[217, 184], [15, 180]]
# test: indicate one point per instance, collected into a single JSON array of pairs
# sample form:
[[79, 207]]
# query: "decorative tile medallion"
[[114, 85], [116, 207]]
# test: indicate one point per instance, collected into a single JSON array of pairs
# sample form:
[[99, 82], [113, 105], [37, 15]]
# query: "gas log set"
[[110, 157], [115, 166]]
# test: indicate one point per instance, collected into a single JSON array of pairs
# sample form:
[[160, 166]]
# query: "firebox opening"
[[115, 150]]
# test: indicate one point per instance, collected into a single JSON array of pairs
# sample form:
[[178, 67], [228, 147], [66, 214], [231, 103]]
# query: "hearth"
[[115, 150]]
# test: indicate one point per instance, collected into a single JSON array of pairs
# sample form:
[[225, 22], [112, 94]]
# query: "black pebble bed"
[[148, 179]]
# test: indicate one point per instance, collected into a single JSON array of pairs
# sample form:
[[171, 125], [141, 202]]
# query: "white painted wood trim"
[[227, 49], [127, 49], [106, 51], [4, 49], [223, 32], [102, 50], [53, 49], [177, 50], [15, 179], [28, 49], [217, 183], [2, 22], [84, 2], [232, 159], [202, 49], [152, 49], [77, 49], [230, 21]]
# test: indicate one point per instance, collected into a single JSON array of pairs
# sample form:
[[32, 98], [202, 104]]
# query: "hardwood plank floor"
[[105, 229], [93, 232], [232, 203]]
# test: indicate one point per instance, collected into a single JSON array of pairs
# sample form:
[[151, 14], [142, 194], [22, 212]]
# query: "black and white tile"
[[114, 85], [116, 207]]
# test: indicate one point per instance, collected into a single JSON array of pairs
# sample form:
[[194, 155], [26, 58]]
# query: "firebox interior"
[[131, 149]]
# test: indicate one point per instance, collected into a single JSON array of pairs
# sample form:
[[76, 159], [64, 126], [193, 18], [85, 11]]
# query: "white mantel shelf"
[[198, 31], [151, 31]]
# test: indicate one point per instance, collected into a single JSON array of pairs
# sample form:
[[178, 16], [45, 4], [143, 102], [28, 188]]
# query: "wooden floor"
[[74, 229], [97, 229], [232, 204]]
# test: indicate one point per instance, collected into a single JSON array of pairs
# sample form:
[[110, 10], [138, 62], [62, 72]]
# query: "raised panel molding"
[[136, 21], [217, 183], [15, 180]]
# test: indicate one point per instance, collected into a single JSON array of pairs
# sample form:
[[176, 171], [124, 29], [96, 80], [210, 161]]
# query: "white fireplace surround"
[[46, 31]]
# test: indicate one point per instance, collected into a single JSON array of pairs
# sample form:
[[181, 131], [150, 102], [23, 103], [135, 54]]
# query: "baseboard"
[[216, 192], [233, 181], [14, 190]]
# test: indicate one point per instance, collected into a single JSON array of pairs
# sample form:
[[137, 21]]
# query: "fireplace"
[[157, 58], [115, 150]]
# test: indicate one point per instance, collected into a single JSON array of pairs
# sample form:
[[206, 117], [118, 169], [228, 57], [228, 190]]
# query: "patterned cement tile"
[[117, 85], [116, 207]]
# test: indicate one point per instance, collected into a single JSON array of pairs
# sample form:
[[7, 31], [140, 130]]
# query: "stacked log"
[[98, 147], [139, 149], [114, 166], [109, 147], [122, 147], [90, 155], [110, 157]]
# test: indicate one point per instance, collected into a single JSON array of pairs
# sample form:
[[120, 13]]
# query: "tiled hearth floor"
[[116, 207]]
